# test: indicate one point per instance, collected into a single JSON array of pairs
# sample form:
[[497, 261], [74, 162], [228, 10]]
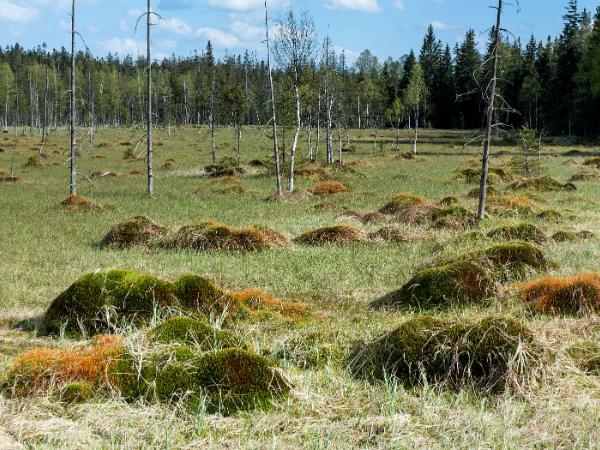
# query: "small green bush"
[[183, 330], [490, 355]]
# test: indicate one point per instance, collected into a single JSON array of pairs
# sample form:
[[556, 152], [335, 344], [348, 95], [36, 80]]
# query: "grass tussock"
[[453, 217], [520, 232], [195, 332], [492, 355], [211, 236], [575, 296], [510, 205], [571, 236], [137, 231], [329, 188], [542, 184], [334, 234], [400, 202], [418, 214], [76, 203], [586, 356], [365, 219], [394, 234]]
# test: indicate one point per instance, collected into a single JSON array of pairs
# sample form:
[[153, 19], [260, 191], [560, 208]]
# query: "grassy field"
[[44, 249]]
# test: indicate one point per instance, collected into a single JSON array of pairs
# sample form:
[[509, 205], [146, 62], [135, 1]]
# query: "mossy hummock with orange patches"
[[575, 296], [453, 217], [491, 355], [329, 188], [40, 370], [77, 203], [334, 234], [543, 184]]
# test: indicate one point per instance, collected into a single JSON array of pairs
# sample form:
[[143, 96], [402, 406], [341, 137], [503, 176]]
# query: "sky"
[[386, 27]]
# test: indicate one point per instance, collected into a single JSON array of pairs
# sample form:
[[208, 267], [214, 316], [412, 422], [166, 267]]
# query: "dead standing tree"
[[73, 180], [278, 187], [491, 96]]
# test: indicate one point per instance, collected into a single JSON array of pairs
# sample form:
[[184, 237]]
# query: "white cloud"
[[220, 39], [246, 5], [400, 5], [176, 26], [441, 26], [370, 6], [123, 47], [12, 12]]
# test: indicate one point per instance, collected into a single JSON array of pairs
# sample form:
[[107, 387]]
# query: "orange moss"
[[564, 296], [309, 172], [37, 371], [77, 203], [329, 188], [260, 302]]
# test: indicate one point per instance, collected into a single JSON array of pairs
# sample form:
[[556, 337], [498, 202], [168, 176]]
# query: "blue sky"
[[386, 27]]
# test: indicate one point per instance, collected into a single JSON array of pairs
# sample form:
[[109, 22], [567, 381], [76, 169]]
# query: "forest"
[[543, 81]]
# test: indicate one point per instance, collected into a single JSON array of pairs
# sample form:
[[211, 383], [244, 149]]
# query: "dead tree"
[[149, 153], [273, 108], [491, 107], [73, 183]]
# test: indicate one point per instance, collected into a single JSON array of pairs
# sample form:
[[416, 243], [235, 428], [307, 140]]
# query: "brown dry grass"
[[335, 234], [329, 188], [75, 203], [260, 302]]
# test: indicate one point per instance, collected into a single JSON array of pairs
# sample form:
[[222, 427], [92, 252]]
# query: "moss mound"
[[184, 330], [334, 234], [311, 172], [99, 302], [39, 371], [592, 162], [455, 283], [510, 205], [420, 213], [586, 356], [223, 170], [211, 236], [77, 392], [491, 191], [543, 184], [455, 217], [329, 188], [520, 232], [33, 162], [400, 202], [584, 176], [75, 203], [393, 234], [263, 304], [491, 355], [550, 215], [470, 175], [225, 381], [575, 296], [571, 236], [449, 201], [132, 232], [512, 260]]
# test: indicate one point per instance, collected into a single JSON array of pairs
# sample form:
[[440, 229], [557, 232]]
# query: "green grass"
[[44, 249]]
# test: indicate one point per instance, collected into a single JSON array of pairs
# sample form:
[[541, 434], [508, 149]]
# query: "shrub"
[[209, 236], [224, 381], [490, 355], [454, 217], [520, 232], [131, 232], [183, 330], [77, 203], [334, 234], [455, 283], [586, 356], [400, 202], [329, 188], [33, 162], [544, 184], [579, 295], [40, 370], [99, 302]]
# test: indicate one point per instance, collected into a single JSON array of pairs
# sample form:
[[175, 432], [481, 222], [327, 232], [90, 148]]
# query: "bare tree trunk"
[[490, 118], [318, 127], [329, 130], [238, 127], [273, 108], [416, 136], [73, 183], [149, 155], [310, 140], [213, 143], [296, 134], [45, 122], [359, 114]]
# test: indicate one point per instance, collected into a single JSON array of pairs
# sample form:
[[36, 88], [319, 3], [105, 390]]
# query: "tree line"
[[551, 84]]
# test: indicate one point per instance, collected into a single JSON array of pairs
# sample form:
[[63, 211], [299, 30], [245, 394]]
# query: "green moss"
[[455, 283], [449, 201], [521, 232], [204, 296], [183, 330], [511, 260], [543, 184], [77, 392], [587, 356], [550, 215], [490, 355], [224, 381], [571, 236], [99, 301], [131, 232]]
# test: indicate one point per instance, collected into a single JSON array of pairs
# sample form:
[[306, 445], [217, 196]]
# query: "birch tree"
[[294, 49], [73, 181], [414, 98]]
